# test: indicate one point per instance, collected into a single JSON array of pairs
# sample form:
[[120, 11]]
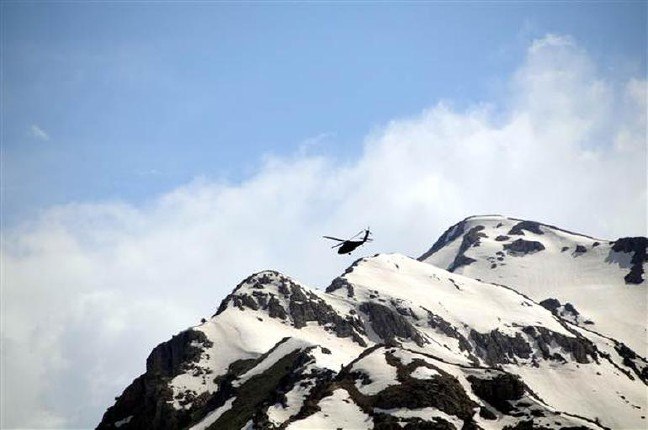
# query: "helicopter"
[[349, 245]]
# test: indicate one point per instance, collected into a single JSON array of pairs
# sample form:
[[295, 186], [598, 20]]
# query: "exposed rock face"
[[338, 283], [290, 300], [550, 304], [531, 226], [436, 322], [635, 362], [638, 247], [497, 348], [522, 247], [146, 399], [499, 391], [581, 349], [448, 236], [263, 390], [566, 311], [389, 324], [171, 358], [442, 392], [470, 239]]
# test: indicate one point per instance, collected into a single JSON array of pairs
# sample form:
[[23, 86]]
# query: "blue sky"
[[156, 154], [134, 99]]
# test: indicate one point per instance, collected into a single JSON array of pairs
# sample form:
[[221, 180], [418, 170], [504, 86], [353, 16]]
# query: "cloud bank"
[[89, 289]]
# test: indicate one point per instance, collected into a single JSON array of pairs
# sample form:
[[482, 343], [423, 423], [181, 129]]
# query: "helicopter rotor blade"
[[333, 238], [339, 244]]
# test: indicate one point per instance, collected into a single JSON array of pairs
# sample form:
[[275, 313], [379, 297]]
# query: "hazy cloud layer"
[[38, 133], [89, 289]]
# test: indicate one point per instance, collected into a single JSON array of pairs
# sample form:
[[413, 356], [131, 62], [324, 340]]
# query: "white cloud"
[[38, 133], [90, 289]]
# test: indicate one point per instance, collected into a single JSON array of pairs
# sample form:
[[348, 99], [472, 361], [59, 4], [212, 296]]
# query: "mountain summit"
[[595, 283], [485, 330]]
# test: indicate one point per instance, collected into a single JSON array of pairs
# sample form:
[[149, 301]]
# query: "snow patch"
[[213, 416], [337, 411]]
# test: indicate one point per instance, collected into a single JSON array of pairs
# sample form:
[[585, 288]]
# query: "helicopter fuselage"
[[349, 246]]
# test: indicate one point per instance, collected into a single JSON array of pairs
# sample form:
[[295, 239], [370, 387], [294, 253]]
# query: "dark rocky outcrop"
[[438, 323], [522, 247], [443, 391], [339, 283], [460, 261], [275, 309], [305, 306], [448, 236], [171, 358], [389, 324], [294, 302], [261, 391], [497, 348], [631, 359], [581, 349], [146, 399], [564, 311], [498, 391], [638, 246], [531, 226], [550, 304], [470, 239]]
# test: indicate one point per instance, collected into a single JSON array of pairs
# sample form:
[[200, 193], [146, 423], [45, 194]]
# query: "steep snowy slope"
[[602, 280], [393, 342]]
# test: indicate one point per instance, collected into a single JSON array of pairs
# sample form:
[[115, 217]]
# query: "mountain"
[[595, 283], [397, 342]]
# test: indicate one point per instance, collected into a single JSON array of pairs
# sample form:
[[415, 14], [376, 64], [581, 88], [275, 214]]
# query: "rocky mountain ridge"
[[392, 343]]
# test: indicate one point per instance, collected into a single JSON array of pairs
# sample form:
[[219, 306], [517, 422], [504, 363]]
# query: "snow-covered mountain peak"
[[521, 237], [394, 342], [601, 280]]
